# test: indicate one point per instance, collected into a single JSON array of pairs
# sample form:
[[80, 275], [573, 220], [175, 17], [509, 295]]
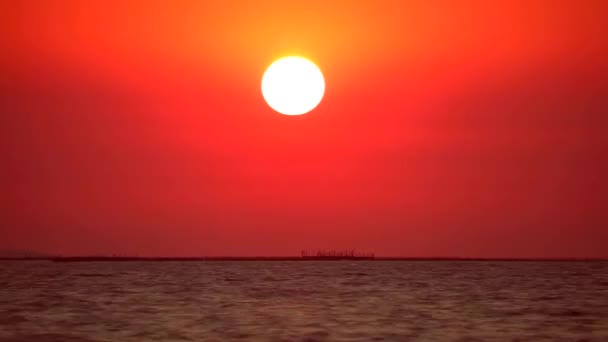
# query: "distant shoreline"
[[283, 258]]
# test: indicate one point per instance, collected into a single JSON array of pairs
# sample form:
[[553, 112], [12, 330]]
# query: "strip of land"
[[277, 258]]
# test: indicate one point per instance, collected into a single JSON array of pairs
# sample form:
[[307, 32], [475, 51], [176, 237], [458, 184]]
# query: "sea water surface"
[[304, 301]]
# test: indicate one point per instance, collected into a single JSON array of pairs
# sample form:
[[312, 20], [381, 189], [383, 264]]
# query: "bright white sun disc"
[[293, 85]]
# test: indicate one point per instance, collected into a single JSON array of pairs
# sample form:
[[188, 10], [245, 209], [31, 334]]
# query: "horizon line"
[[90, 258]]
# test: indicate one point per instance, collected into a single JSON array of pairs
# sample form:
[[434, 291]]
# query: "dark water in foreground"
[[303, 301]]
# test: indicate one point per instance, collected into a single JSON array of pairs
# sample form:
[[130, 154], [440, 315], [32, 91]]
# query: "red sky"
[[448, 128]]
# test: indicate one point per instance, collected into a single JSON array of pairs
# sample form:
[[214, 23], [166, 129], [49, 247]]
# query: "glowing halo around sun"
[[293, 85]]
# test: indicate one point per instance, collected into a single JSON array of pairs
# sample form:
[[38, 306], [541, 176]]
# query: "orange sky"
[[452, 128]]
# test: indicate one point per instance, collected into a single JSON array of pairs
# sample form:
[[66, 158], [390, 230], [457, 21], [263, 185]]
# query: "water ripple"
[[312, 301]]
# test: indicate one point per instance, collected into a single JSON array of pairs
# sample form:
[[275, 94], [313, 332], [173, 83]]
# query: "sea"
[[303, 301]]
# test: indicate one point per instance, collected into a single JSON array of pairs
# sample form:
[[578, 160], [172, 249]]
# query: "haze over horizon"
[[139, 128]]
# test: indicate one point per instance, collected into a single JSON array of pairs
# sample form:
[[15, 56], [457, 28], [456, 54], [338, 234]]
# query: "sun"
[[293, 85]]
